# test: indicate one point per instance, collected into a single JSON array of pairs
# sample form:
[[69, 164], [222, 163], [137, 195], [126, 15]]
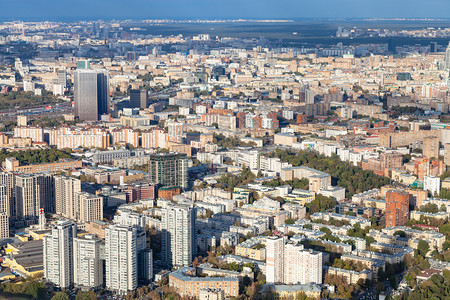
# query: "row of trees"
[[36, 290], [302, 184], [229, 181], [437, 287], [229, 142], [26, 99], [353, 179], [36, 156]]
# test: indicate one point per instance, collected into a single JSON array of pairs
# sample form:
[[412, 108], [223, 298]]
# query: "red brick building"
[[397, 208]]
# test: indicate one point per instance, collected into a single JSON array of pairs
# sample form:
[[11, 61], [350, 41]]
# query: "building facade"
[[58, 254], [88, 265], [178, 237], [397, 208], [91, 94]]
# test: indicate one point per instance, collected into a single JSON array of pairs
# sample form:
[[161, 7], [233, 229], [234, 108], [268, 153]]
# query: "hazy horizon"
[[215, 9]]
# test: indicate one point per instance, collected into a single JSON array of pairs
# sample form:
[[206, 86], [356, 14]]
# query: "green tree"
[[289, 221], [60, 296], [88, 295], [423, 248]]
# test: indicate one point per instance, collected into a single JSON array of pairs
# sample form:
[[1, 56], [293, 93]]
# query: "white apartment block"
[[248, 158], [154, 138], [35, 133], [432, 184], [291, 264], [58, 254], [178, 239], [88, 266], [101, 157], [66, 196], [121, 258], [130, 218], [274, 259]]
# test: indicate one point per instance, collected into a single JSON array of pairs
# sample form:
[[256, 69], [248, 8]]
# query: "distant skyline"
[[209, 9]]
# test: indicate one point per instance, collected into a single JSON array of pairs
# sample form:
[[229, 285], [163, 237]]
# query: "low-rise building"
[[253, 248], [187, 283]]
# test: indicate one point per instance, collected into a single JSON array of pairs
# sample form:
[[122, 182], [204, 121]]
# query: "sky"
[[223, 9]]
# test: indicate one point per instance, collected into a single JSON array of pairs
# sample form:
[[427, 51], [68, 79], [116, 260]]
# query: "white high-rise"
[[178, 235], [447, 58], [274, 259], [66, 199], [88, 267], [58, 254], [291, 264], [121, 258]]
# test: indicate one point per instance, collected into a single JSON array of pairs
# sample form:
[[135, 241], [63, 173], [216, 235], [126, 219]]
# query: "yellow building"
[[351, 277], [279, 291], [25, 259], [186, 283], [253, 248], [13, 165], [300, 196]]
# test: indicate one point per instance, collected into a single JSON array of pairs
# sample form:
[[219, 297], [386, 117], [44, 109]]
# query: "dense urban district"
[[142, 166]]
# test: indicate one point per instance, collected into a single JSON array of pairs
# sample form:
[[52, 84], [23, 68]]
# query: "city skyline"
[[225, 149]]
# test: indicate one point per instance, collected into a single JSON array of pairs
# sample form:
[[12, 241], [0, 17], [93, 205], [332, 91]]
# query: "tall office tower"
[[91, 207], [66, 196], [62, 79], [175, 131], [8, 181], [274, 259], [91, 94], [447, 58], [88, 267], [397, 208], [121, 258], [309, 96], [178, 235], [433, 47], [392, 46], [139, 98], [4, 225], [431, 147], [169, 169], [58, 254]]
